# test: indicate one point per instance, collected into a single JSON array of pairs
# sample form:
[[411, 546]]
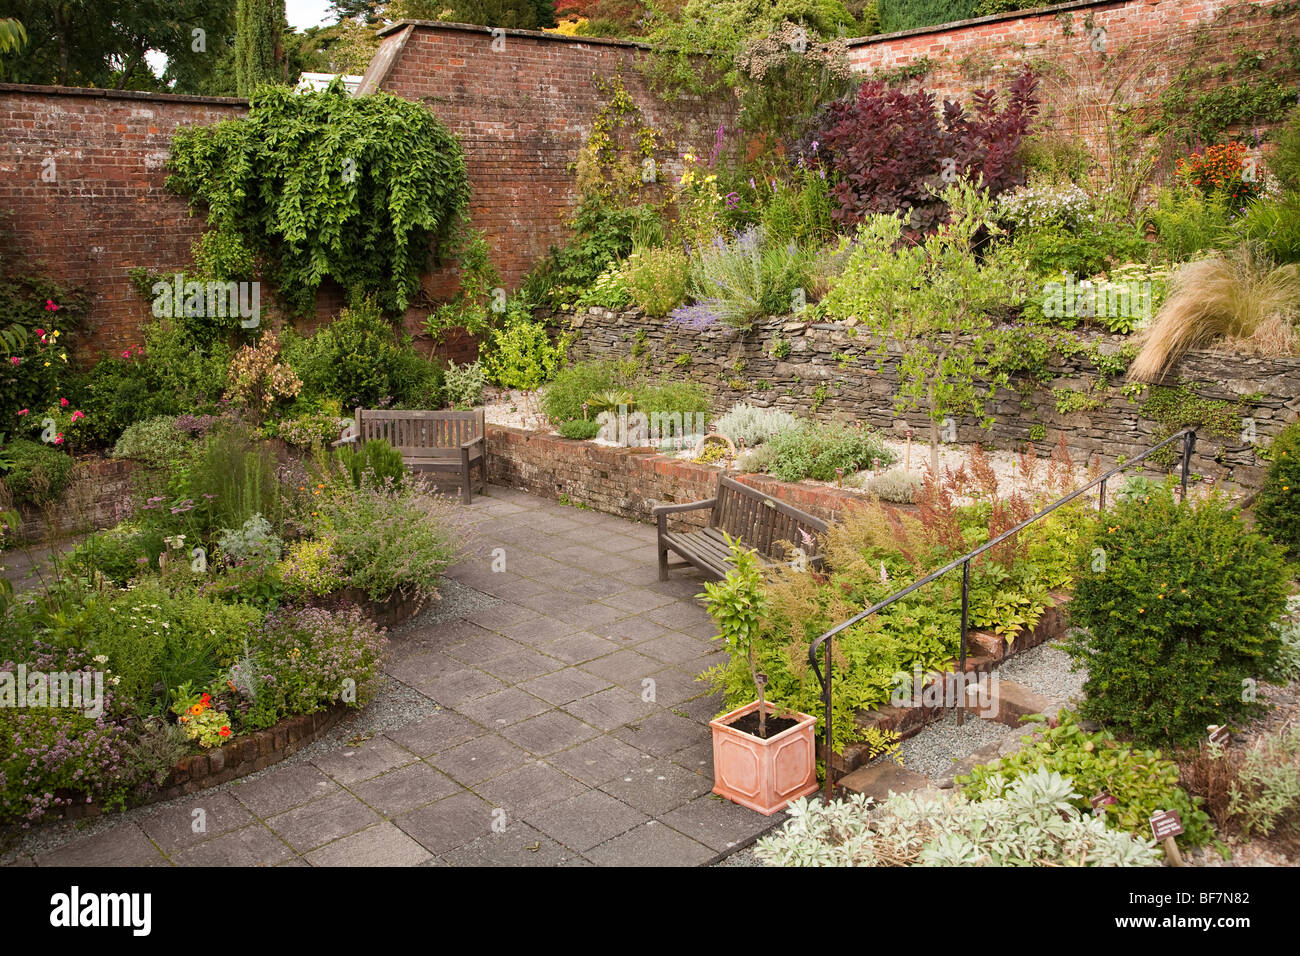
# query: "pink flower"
[[58, 439], [63, 403], [78, 414], [15, 360], [126, 354], [22, 412], [50, 306]]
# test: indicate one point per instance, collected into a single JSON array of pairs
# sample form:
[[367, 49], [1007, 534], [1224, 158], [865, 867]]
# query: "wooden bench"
[[440, 442], [760, 522]]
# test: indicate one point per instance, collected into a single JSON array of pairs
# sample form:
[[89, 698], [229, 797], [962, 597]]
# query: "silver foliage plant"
[[1027, 822], [754, 425]]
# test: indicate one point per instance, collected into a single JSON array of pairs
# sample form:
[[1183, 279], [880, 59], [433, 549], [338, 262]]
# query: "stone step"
[[881, 778], [1006, 702]]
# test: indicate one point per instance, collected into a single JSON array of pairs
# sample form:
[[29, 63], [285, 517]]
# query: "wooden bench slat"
[[430, 440]]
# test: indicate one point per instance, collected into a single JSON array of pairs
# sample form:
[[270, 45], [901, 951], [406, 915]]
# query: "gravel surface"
[[1045, 670], [936, 749]]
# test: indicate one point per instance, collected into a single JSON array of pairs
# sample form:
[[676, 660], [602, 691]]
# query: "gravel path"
[[1045, 670]]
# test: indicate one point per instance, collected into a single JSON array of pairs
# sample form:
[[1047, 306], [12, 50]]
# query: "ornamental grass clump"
[[1241, 297], [1173, 605]]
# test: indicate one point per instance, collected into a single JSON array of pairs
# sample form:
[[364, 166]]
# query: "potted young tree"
[[762, 758]]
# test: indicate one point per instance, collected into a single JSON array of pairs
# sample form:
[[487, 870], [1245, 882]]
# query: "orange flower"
[[196, 710]]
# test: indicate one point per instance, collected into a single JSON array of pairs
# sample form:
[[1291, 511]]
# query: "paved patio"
[[569, 728]]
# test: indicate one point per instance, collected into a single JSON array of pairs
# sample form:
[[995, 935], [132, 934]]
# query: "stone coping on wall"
[[629, 482], [239, 758], [122, 94], [513, 32], [1046, 9]]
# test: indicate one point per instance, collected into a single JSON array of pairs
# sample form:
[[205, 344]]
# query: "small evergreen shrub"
[[38, 473], [816, 449], [753, 425], [1173, 603], [1277, 509], [575, 384], [374, 462], [583, 430], [156, 442], [463, 385]]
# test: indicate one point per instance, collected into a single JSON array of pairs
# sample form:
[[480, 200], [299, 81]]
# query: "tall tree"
[[519, 14], [259, 44], [103, 43]]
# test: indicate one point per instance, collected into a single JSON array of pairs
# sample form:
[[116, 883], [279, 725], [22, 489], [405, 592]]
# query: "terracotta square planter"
[[764, 775]]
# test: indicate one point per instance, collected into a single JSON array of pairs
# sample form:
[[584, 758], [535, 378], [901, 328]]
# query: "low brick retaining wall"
[[98, 496], [243, 756], [629, 482], [985, 653]]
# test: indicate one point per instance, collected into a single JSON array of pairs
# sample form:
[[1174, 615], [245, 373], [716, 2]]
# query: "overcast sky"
[[307, 13]]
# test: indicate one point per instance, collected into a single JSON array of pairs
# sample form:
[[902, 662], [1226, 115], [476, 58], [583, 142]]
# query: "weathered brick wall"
[[99, 495], [629, 482], [522, 104], [1144, 46], [82, 197], [832, 371]]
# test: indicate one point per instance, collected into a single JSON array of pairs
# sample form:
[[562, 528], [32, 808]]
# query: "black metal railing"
[[1188, 438]]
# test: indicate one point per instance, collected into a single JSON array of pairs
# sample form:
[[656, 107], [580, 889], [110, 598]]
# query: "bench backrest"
[[761, 521], [420, 434]]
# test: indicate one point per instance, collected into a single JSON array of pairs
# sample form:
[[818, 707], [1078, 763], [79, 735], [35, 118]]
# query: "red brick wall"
[[522, 112], [106, 210], [1149, 42]]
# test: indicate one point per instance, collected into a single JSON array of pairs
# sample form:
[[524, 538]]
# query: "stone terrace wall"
[[834, 374], [522, 103], [1149, 41]]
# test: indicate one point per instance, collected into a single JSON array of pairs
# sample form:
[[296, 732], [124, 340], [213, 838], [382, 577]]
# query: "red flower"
[[224, 731], [63, 403], [50, 306], [22, 412]]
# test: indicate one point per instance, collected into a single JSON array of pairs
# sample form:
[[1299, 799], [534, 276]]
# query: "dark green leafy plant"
[[583, 430], [815, 450], [38, 473], [376, 462], [1173, 605], [1141, 781], [327, 184], [1277, 509]]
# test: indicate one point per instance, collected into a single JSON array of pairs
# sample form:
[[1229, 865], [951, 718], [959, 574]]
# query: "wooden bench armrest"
[[472, 442], [658, 510]]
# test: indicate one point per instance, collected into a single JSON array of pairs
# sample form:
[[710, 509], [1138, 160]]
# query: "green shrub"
[[313, 428], [254, 543], [351, 359], [1188, 222], [739, 281], [307, 658], [1053, 250], [753, 425], [1274, 224], [816, 449], [898, 15], [155, 441], [671, 398], [120, 554], [313, 566], [230, 479], [657, 279], [1265, 797], [521, 354], [896, 485], [575, 384], [156, 641], [1277, 508], [38, 473], [416, 381], [373, 463], [391, 540], [463, 385], [580, 429], [1141, 781], [1173, 603]]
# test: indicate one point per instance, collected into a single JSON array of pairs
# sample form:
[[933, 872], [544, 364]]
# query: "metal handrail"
[[1188, 437]]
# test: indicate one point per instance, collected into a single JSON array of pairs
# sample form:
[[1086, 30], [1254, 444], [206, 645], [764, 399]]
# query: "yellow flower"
[[47, 364], [64, 356]]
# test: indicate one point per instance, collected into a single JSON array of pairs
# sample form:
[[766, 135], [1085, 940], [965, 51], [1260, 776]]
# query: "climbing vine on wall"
[[618, 159], [328, 185]]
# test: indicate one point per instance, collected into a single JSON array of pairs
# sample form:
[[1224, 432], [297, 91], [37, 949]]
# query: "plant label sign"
[[1102, 800], [1218, 734], [1166, 824]]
